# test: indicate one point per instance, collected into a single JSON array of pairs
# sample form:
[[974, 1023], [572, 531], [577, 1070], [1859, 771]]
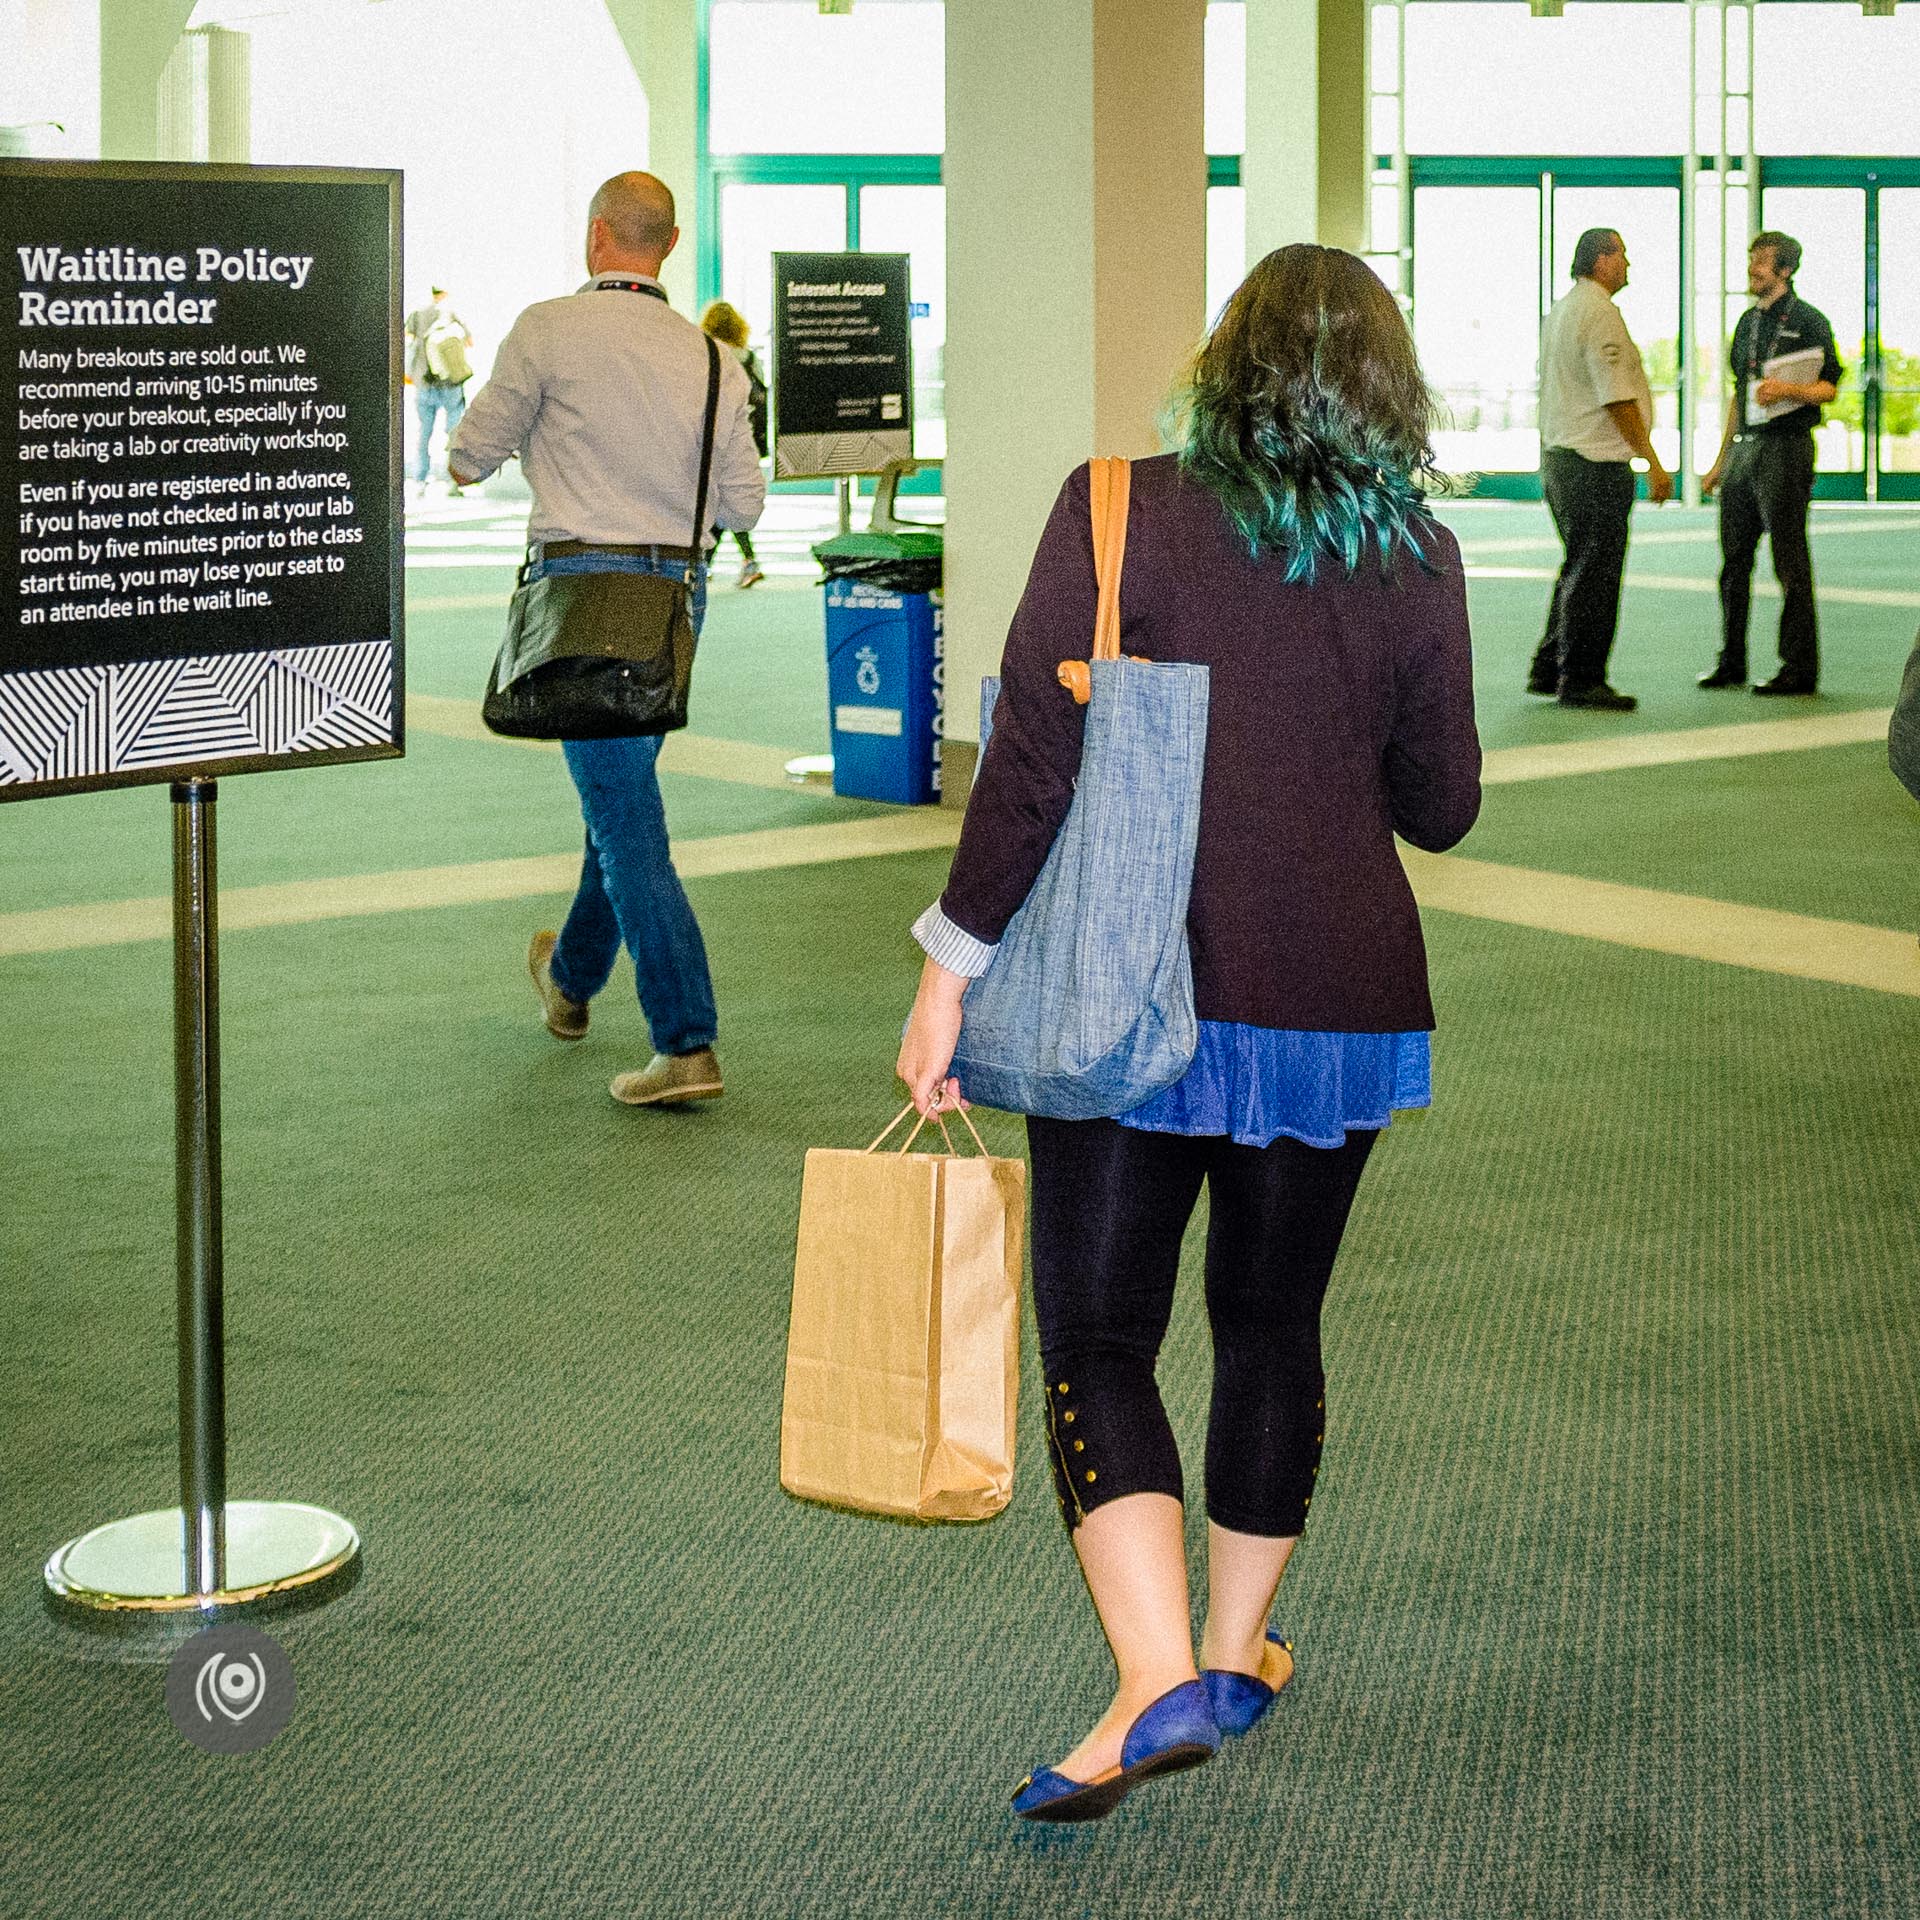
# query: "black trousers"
[[1767, 488], [1591, 502], [1110, 1205]]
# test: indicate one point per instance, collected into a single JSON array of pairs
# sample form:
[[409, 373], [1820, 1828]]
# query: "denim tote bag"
[[1087, 1009]]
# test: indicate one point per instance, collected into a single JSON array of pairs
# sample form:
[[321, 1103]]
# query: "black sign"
[[842, 363], [200, 544]]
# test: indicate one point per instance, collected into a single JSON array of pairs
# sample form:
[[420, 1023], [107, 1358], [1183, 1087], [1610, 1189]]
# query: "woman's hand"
[[933, 1031]]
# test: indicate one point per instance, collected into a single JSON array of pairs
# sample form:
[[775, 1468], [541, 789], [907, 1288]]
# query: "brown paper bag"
[[903, 1355]]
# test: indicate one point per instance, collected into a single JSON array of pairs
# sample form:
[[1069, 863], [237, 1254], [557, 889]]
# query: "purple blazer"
[[1340, 714]]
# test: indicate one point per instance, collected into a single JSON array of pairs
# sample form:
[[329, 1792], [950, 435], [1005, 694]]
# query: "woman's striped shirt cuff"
[[952, 947]]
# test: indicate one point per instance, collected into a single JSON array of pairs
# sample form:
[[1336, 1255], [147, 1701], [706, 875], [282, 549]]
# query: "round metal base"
[[810, 766], [129, 1573]]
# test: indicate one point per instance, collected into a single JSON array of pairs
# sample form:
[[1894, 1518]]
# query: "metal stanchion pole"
[[196, 1122], [179, 1568]]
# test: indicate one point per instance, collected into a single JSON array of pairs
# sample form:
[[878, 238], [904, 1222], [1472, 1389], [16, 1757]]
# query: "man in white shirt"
[[1596, 410], [603, 396]]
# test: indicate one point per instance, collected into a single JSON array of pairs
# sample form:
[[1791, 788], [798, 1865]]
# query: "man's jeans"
[[429, 401], [629, 891]]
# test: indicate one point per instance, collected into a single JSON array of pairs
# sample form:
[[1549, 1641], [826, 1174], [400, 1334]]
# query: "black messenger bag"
[[601, 656]]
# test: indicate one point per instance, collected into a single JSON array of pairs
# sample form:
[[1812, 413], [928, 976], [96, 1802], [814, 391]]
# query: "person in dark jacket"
[[1288, 547], [1903, 734]]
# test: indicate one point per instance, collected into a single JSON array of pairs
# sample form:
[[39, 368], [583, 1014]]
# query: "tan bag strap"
[[1109, 485], [938, 1121]]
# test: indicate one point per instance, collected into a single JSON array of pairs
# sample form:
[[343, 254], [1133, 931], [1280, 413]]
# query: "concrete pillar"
[[136, 41], [1076, 272], [662, 40], [1306, 163]]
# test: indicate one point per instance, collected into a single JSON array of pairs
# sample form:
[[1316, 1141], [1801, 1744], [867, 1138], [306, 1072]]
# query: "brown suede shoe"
[[668, 1078], [566, 1019]]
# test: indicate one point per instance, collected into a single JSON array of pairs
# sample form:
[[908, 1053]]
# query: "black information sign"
[[842, 363], [200, 542]]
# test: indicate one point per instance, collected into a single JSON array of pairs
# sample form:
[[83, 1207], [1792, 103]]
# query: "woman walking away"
[[1288, 548], [728, 325]]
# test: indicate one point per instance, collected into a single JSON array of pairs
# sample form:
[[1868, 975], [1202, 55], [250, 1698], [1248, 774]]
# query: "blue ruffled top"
[[1256, 1083]]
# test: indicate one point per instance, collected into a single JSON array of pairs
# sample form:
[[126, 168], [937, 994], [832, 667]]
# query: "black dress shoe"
[[1723, 677], [1547, 683], [1602, 698], [1787, 683]]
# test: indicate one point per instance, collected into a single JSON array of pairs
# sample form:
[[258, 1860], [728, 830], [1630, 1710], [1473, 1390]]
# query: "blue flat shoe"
[[1240, 1699], [1176, 1731]]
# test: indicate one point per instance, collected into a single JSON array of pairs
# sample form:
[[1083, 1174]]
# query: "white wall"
[[504, 114]]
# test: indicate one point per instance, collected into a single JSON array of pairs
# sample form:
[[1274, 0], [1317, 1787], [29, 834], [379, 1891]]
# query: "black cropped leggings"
[[1110, 1205]]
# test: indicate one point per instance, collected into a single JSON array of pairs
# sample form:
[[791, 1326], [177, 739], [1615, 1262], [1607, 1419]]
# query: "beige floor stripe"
[[1507, 764], [1757, 938], [294, 902], [739, 762], [1700, 536], [457, 602], [1684, 583]]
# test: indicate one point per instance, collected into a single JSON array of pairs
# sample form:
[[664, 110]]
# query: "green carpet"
[[1607, 1605]]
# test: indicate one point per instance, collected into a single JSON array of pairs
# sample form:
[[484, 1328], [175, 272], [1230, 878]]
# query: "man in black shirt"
[[1784, 371]]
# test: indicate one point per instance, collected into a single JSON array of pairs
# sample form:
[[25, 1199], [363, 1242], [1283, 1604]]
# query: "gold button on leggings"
[[1110, 1206]]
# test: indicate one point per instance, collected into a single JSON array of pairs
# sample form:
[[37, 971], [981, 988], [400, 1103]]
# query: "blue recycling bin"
[[884, 679]]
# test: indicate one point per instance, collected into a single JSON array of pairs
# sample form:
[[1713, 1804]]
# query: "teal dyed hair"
[[1306, 413]]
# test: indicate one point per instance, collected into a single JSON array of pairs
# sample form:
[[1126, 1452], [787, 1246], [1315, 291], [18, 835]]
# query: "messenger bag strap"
[[706, 455]]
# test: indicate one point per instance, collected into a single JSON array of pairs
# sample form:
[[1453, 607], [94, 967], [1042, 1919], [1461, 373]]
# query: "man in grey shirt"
[[602, 394]]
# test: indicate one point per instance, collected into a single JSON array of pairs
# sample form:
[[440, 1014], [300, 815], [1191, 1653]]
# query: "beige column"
[[136, 41], [1076, 270], [662, 40], [1306, 163], [206, 98]]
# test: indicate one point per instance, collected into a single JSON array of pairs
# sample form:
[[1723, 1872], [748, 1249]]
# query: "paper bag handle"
[[937, 1120], [1109, 487]]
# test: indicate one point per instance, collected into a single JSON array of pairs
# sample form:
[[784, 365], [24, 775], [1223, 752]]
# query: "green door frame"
[[1541, 171], [1869, 175], [848, 171]]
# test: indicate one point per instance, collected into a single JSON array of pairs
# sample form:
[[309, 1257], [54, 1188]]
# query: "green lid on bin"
[[915, 543]]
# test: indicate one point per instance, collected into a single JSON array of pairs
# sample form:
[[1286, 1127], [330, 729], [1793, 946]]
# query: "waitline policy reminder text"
[[189, 429]]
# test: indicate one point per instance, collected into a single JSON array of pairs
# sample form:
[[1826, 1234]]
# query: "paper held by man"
[[1797, 368]]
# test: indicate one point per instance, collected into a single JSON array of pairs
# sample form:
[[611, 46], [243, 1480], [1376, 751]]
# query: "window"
[[1827, 79], [1605, 78], [787, 78], [1226, 99]]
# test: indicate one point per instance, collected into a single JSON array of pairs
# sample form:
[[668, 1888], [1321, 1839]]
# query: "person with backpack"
[[438, 369], [728, 325]]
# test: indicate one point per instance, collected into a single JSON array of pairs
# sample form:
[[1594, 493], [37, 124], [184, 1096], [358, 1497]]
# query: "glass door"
[[913, 221], [1493, 244], [756, 222], [1897, 451], [1831, 224], [1476, 322]]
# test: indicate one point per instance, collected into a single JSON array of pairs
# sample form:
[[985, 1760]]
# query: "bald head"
[[630, 225]]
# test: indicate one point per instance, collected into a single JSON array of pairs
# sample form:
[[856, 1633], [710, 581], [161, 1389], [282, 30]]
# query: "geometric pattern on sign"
[[73, 722]]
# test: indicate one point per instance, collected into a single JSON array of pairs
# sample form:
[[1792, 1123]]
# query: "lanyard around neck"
[[630, 286]]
